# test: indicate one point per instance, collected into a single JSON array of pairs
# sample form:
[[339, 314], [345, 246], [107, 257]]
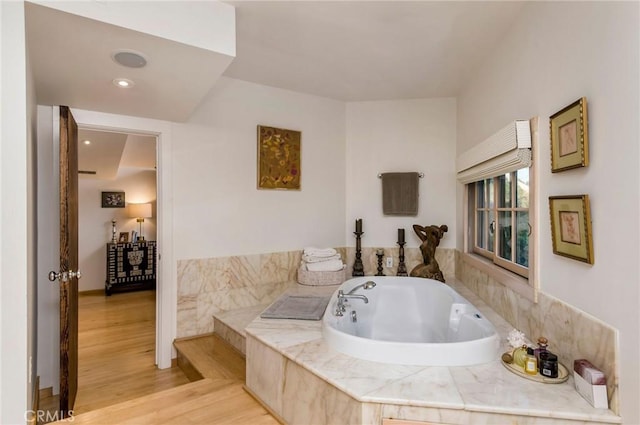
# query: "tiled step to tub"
[[230, 325]]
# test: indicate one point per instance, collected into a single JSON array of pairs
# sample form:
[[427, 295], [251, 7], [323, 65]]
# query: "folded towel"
[[326, 266], [313, 259], [320, 252]]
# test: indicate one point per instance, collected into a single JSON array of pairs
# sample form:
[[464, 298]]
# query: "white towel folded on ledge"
[[313, 259], [320, 252], [326, 266]]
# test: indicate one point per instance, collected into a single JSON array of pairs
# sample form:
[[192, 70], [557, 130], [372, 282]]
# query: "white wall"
[[398, 136], [218, 211], [15, 244], [95, 222], [555, 54]]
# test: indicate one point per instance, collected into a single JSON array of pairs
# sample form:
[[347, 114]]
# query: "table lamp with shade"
[[140, 212]]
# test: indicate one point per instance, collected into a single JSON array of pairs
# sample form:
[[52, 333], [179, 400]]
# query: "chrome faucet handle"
[[340, 308]]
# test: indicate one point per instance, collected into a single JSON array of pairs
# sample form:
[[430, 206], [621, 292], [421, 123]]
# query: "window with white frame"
[[499, 220], [498, 177]]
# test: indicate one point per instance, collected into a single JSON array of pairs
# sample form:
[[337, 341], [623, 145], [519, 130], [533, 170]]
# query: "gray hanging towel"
[[400, 193]]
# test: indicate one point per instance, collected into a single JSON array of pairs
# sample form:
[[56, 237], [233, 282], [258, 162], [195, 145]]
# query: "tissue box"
[[590, 383]]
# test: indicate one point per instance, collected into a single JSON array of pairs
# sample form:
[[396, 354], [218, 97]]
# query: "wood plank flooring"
[[206, 401], [211, 357], [119, 383], [116, 351]]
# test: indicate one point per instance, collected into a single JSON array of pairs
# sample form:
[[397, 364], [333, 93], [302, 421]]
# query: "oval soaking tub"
[[408, 320]]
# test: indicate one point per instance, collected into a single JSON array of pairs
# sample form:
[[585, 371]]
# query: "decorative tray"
[[563, 373]]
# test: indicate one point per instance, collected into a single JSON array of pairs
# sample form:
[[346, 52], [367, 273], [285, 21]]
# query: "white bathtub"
[[412, 321]]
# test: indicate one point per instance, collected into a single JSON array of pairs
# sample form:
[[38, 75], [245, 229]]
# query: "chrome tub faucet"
[[342, 297]]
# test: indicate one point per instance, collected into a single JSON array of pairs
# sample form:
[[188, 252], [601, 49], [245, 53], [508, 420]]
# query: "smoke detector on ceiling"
[[129, 58]]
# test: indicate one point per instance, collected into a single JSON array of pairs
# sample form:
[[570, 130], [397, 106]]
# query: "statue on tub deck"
[[430, 237]]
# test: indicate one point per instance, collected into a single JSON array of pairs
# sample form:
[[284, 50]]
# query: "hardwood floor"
[[116, 353], [118, 382], [202, 402]]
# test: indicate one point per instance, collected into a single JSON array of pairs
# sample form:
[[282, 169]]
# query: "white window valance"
[[505, 151]]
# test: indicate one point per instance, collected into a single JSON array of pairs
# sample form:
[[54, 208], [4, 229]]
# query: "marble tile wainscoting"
[[572, 333], [212, 285]]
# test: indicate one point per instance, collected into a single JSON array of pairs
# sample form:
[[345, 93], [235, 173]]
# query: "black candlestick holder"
[[358, 267], [380, 254], [402, 267]]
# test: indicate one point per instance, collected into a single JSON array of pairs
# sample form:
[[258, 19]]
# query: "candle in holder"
[[359, 225], [380, 251], [400, 235]]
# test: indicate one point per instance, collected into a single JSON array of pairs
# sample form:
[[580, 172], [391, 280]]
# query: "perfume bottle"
[[530, 363], [548, 364], [543, 343], [520, 355]]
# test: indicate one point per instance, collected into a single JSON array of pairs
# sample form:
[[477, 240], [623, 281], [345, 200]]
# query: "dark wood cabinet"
[[130, 266]]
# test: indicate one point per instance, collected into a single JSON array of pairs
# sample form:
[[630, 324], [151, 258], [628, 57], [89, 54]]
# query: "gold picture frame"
[[278, 158], [571, 227], [569, 137]]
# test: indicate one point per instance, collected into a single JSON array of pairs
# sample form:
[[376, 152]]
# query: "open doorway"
[[116, 353], [117, 172]]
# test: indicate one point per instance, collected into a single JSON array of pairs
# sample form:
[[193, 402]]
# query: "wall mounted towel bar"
[[421, 175]]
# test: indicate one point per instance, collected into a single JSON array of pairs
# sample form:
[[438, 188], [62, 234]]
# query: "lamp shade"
[[140, 210]]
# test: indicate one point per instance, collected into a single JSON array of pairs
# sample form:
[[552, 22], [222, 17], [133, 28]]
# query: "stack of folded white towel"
[[321, 260]]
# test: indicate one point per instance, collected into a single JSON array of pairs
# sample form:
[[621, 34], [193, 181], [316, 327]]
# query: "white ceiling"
[[108, 151], [346, 50], [354, 50], [71, 62]]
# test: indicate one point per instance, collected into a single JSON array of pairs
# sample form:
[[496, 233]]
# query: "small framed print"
[[124, 237], [569, 137], [112, 199], [571, 227]]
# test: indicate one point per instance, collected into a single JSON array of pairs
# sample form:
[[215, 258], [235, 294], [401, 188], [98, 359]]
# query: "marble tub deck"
[[230, 325], [488, 392]]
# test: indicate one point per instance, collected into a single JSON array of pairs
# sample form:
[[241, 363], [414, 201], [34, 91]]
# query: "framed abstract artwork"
[[278, 158], [571, 227], [112, 199], [569, 137]]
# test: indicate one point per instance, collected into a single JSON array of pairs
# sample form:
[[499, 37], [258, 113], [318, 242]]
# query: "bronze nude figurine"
[[430, 237]]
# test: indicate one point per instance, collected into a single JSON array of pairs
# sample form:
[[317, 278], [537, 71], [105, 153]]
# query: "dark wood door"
[[68, 260]]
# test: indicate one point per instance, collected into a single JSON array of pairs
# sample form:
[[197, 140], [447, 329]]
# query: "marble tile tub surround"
[[572, 334], [211, 285], [284, 355]]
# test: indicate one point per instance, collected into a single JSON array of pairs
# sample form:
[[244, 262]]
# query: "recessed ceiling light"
[[129, 58], [86, 142], [123, 83]]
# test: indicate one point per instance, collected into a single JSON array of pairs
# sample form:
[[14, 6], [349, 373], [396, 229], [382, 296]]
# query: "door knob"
[[64, 276]]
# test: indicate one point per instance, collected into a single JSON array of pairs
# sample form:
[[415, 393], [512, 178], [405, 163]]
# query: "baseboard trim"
[[92, 292]]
